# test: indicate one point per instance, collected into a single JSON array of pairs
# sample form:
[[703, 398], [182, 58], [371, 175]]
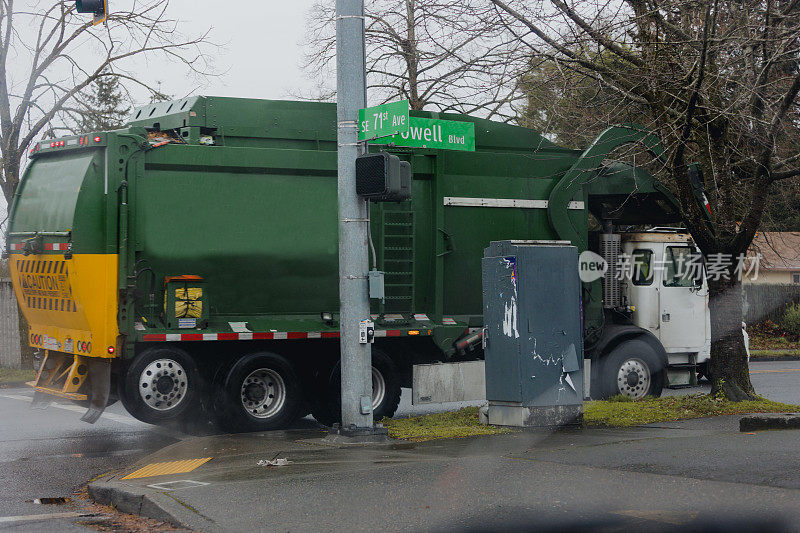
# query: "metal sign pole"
[[356, 359]]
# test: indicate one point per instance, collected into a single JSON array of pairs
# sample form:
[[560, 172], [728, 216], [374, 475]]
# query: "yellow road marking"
[[171, 467], [775, 371]]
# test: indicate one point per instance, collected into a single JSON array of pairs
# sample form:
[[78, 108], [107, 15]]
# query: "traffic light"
[[382, 177], [99, 8]]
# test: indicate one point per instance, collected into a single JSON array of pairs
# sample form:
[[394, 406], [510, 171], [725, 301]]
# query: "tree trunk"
[[10, 177], [730, 373]]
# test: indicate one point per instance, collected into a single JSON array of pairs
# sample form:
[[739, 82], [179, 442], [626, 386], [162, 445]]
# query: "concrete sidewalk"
[[672, 476]]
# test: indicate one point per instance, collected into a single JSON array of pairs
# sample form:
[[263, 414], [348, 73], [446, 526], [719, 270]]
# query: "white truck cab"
[[668, 293]]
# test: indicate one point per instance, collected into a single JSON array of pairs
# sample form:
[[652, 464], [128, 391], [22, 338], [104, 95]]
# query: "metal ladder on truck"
[[398, 257]]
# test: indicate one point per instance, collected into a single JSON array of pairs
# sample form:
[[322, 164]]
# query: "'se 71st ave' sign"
[[383, 120]]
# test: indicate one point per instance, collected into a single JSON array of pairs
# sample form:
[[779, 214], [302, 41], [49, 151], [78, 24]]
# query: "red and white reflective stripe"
[[388, 333], [707, 203], [421, 318], [447, 321], [57, 246], [255, 336]]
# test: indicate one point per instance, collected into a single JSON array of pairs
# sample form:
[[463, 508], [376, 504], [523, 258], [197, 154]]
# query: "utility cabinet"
[[533, 337]]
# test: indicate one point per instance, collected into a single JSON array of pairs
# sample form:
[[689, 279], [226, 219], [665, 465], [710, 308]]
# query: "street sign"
[[383, 120], [434, 133]]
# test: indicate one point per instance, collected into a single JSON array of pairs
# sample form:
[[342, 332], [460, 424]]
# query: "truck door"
[[642, 285], [683, 298]]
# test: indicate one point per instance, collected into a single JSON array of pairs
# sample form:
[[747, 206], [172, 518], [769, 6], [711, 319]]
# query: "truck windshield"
[[682, 267]]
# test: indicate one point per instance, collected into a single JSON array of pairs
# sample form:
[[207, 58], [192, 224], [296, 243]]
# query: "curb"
[[770, 421], [150, 504]]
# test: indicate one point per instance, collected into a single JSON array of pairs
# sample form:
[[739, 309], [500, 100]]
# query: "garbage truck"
[[186, 264]]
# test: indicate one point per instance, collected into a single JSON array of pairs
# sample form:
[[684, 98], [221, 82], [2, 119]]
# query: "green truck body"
[[236, 199]]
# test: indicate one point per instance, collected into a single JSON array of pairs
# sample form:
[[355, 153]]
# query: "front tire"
[[633, 369], [260, 392], [160, 385]]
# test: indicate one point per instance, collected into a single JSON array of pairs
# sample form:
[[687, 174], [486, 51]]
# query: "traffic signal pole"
[[356, 357]]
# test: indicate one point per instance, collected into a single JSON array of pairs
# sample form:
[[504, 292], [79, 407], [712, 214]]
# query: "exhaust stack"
[[610, 246]]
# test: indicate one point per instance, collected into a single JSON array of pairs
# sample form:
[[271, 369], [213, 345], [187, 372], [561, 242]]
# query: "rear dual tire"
[[160, 385], [327, 403], [260, 392]]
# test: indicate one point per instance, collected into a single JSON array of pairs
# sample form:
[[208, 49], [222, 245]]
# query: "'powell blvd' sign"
[[433, 133]]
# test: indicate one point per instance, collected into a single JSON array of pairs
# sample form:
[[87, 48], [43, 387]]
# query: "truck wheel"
[[261, 392], [327, 407], [160, 385], [632, 369]]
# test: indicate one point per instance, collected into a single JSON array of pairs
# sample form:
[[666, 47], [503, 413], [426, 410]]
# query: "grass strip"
[[621, 411], [448, 425], [12, 375]]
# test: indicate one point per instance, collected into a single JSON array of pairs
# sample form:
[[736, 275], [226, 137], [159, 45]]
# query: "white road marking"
[[180, 484], [121, 419], [130, 421], [33, 517], [15, 397]]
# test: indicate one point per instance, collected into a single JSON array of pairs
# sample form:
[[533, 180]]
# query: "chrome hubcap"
[[378, 388], [263, 393], [633, 379], [162, 384]]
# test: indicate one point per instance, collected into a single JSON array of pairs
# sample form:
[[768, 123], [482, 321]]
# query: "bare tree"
[[718, 81], [441, 56], [49, 55]]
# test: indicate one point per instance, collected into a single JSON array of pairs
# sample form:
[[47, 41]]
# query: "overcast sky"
[[261, 50], [262, 47]]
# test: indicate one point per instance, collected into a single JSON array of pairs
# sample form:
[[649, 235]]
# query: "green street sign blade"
[[383, 120], [435, 133]]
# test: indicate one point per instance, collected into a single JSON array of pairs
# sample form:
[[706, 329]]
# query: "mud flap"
[[100, 388]]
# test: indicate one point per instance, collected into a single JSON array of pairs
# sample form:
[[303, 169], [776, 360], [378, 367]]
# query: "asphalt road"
[[778, 381], [775, 380], [50, 453]]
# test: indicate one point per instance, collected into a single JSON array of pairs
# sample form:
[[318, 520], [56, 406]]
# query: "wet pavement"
[[689, 473], [49, 454], [695, 473], [673, 474]]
